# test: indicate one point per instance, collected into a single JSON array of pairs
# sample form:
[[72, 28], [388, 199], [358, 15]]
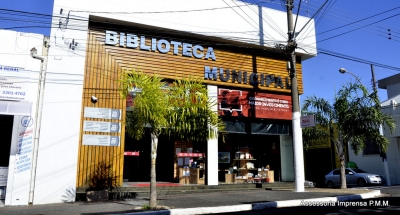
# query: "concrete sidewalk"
[[199, 203]]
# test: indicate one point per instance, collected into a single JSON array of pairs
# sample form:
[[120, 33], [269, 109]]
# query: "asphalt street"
[[394, 208], [388, 203], [239, 197]]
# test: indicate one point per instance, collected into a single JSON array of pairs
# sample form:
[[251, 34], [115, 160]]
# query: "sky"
[[367, 40]]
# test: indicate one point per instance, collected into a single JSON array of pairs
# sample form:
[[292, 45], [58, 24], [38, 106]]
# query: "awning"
[[265, 128], [235, 127], [15, 108], [256, 127]]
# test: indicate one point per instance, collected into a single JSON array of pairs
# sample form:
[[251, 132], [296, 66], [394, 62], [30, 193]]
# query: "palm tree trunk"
[[341, 154], [342, 172], [153, 181]]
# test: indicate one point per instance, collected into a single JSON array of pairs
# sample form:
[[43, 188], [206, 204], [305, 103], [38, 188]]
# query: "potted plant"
[[101, 181]]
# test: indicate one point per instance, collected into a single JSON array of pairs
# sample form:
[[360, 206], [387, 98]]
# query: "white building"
[[19, 78], [56, 175], [370, 160]]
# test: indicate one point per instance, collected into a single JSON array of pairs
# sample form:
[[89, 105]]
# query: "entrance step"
[[142, 190]]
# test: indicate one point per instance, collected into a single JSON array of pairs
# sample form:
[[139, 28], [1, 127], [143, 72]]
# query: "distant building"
[[370, 159]]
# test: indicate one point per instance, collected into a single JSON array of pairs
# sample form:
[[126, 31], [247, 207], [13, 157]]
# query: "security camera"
[[94, 99]]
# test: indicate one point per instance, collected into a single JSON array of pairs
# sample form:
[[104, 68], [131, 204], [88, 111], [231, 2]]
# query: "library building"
[[251, 84]]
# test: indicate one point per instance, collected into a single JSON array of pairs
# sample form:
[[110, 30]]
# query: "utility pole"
[[38, 112], [383, 154], [297, 132], [373, 77], [260, 23]]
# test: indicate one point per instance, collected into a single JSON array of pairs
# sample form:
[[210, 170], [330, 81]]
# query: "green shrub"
[[146, 207], [103, 177]]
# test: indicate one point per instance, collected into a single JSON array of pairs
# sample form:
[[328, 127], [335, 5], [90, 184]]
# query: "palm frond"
[[183, 109], [357, 114]]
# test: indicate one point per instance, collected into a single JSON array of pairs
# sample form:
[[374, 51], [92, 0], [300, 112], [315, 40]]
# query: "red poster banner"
[[131, 153], [254, 104]]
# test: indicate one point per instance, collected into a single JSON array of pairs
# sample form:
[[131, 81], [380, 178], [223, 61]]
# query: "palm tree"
[[181, 109], [355, 116]]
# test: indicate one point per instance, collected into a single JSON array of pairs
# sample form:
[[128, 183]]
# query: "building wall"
[[373, 163], [102, 72], [105, 62], [60, 127], [369, 163], [64, 95], [214, 18], [393, 90], [393, 152], [16, 54]]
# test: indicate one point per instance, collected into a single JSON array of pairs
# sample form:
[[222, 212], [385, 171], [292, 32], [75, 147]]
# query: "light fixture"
[[34, 55], [94, 99], [33, 51], [343, 70]]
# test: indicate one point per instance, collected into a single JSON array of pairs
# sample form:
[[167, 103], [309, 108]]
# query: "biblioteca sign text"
[[178, 48]]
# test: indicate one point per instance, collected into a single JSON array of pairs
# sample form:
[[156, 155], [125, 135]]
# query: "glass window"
[[359, 171], [336, 172], [371, 148], [346, 171]]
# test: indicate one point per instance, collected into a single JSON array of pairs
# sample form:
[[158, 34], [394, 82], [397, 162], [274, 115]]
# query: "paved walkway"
[[198, 203]]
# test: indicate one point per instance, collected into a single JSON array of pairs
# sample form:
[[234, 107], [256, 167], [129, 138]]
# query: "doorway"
[[6, 126], [137, 163]]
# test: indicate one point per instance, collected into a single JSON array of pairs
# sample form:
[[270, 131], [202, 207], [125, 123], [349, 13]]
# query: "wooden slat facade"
[[103, 66], [101, 80]]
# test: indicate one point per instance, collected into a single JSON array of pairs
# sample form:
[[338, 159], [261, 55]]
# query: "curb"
[[257, 206]]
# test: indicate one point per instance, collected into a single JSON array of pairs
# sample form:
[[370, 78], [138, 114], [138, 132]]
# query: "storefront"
[[82, 114], [19, 80], [259, 143], [251, 85]]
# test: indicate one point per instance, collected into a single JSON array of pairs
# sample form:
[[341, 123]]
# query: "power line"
[[297, 16], [274, 26], [359, 28], [316, 13], [252, 41], [346, 14], [240, 15], [130, 12], [36, 14], [335, 54], [327, 8], [58, 16], [347, 57], [155, 12], [360, 20]]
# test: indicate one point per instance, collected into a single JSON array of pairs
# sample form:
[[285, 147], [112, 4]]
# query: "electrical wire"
[[359, 28], [323, 52], [335, 54], [273, 25], [346, 14], [327, 8], [240, 15], [297, 16], [316, 13], [360, 20], [155, 12]]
